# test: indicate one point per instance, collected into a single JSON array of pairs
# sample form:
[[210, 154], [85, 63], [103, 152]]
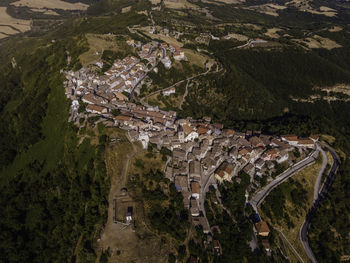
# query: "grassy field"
[[10, 25], [195, 57], [51, 4], [179, 4], [169, 40], [100, 42], [307, 179]]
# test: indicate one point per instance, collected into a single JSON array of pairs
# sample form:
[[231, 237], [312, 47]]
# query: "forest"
[[53, 186]]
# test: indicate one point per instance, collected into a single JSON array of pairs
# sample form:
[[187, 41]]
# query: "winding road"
[[321, 194], [259, 197]]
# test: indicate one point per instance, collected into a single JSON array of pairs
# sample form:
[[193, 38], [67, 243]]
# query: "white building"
[[169, 91]]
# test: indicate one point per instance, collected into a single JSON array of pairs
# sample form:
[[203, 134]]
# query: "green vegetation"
[[53, 188], [166, 212], [274, 205], [330, 227], [54, 193], [235, 229]]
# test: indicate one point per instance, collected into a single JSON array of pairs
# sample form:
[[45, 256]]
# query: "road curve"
[[321, 195], [260, 196]]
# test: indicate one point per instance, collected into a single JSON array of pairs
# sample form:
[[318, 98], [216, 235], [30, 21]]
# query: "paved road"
[[260, 196], [320, 174], [321, 195]]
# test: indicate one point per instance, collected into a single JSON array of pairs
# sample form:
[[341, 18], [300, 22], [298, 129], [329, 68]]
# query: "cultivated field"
[[50, 4], [268, 9], [10, 25], [179, 4]]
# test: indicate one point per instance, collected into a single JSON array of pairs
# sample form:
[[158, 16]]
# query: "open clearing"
[[166, 39], [97, 44], [8, 30], [238, 37], [155, 2], [50, 4], [9, 24], [126, 9], [126, 243], [179, 4], [2, 35], [195, 57], [230, 1], [304, 5], [272, 32], [319, 42], [268, 9], [335, 29], [45, 11]]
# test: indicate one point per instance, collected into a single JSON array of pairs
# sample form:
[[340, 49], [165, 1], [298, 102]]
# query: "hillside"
[[280, 67]]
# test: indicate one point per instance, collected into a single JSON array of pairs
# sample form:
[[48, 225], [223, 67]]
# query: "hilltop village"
[[203, 153]]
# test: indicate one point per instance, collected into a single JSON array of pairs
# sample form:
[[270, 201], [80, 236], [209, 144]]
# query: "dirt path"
[[185, 95]]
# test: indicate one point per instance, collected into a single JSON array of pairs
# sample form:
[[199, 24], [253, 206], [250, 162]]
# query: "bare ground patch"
[[126, 9], [335, 29], [134, 243]]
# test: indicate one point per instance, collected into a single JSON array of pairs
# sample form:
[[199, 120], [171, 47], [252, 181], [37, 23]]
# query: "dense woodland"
[[53, 189]]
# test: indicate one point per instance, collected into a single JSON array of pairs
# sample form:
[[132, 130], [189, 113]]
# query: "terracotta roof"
[[187, 128], [305, 141], [202, 130], [262, 227], [216, 244], [120, 96], [229, 131], [93, 107], [122, 118], [195, 187], [290, 137], [224, 168], [314, 137]]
